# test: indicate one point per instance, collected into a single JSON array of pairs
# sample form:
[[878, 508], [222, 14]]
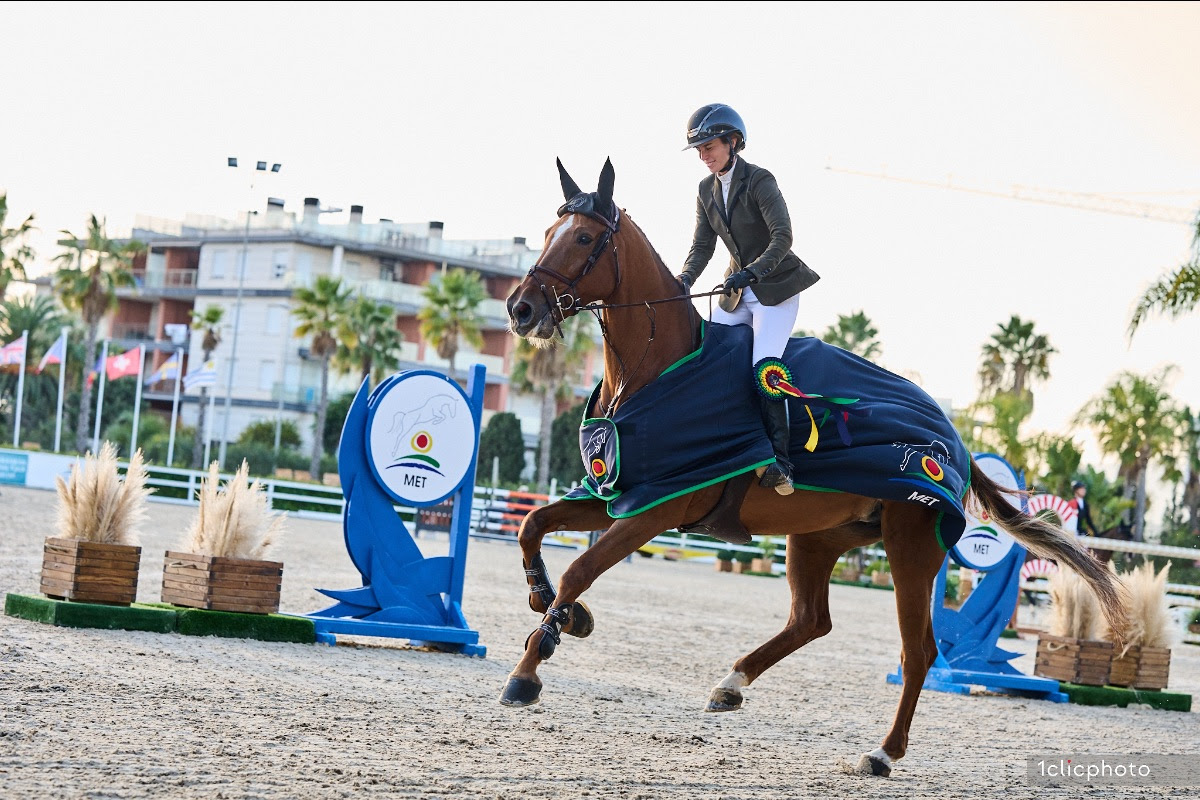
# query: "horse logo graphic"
[[596, 443], [935, 450], [434, 411]]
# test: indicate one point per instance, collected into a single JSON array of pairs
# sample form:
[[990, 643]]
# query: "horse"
[[595, 258]]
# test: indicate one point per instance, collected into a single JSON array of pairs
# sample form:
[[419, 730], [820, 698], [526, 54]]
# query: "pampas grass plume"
[[234, 521], [1144, 595], [95, 505], [1074, 611]]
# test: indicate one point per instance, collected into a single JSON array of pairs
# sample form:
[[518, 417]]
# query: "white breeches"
[[772, 325]]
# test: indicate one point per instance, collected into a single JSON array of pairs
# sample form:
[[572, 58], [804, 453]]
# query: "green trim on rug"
[[694, 354], [689, 490]]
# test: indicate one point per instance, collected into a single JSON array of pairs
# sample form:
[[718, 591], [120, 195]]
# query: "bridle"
[[568, 300]]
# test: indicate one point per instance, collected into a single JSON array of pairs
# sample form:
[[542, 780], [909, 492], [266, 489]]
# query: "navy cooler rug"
[[855, 428]]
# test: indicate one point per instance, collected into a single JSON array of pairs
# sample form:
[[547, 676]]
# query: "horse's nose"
[[520, 312]]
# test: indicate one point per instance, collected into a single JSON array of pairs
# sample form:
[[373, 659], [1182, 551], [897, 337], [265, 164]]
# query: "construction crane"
[[1108, 204]]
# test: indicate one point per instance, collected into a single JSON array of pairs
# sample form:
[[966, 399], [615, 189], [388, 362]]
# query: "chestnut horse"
[[595, 258]]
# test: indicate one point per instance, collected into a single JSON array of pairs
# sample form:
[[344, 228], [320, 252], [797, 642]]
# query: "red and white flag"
[[14, 352], [128, 363]]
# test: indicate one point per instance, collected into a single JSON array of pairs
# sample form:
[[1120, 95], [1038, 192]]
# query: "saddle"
[[723, 521]]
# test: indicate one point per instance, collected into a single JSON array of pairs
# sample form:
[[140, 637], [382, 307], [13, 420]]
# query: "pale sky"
[[456, 112]]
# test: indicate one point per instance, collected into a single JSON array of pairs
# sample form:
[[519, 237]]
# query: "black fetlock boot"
[[775, 418]]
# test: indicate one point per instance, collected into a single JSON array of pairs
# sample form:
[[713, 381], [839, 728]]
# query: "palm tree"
[[208, 323], [1183, 466], [92, 291], [324, 314], [854, 332], [1174, 294], [452, 313], [39, 315], [1137, 421], [375, 350], [1014, 358], [15, 252], [553, 369]]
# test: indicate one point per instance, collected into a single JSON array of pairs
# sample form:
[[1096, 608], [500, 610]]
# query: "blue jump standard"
[[942, 678], [404, 595]]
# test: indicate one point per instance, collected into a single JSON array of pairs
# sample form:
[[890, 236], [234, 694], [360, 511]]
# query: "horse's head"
[[565, 277]]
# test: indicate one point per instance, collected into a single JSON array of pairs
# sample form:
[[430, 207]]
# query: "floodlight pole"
[[261, 166]]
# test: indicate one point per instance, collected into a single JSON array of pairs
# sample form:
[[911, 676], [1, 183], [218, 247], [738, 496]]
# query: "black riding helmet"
[[713, 121]]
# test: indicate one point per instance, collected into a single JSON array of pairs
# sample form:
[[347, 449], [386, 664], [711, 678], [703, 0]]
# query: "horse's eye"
[[584, 239]]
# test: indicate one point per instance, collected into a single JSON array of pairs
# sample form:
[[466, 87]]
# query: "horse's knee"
[[530, 534]]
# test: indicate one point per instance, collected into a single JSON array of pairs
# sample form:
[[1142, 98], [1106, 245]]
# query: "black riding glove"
[[739, 280], [685, 281]]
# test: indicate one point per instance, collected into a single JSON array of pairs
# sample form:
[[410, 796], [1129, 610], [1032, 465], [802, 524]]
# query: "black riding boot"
[[775, 418]]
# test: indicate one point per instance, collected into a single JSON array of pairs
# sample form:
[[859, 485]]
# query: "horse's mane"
[[657, 258]]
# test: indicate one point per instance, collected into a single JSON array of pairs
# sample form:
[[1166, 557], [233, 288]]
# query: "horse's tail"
[[1050, 541]]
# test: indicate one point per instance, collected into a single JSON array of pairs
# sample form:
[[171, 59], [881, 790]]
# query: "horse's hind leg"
[[915, 557], [626, 535], [810, 561]]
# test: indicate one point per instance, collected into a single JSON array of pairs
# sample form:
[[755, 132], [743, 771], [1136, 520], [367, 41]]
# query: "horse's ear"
[[608, 177], [569, 187]]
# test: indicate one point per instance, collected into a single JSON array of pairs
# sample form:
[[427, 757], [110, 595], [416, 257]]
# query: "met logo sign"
[[421, 437]]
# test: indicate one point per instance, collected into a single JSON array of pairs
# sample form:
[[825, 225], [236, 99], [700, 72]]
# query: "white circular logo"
[[421, 438], [984, 544]]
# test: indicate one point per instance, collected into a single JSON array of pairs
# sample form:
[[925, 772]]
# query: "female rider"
[[742, 204]]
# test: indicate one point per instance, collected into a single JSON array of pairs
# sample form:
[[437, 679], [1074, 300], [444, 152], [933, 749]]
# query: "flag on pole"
[[96, 369], [13, 352], [128, 363], [55, 354], [167, 371], [205, 376]]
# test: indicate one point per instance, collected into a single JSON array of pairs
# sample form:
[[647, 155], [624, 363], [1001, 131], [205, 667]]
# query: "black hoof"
[[724, 700], [872, 765], [580, 623], [520, 692]]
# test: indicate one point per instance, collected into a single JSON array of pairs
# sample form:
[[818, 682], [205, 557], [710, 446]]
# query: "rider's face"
[[715, 155]]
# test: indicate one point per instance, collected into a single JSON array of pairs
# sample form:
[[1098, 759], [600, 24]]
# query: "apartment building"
[[196, 264]]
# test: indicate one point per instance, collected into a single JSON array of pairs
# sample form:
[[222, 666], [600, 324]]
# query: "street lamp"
[[287, 338], [260, 166]]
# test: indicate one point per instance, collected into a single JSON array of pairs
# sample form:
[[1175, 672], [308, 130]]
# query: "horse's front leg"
[[810, 561], [622, 538], [563, 515]]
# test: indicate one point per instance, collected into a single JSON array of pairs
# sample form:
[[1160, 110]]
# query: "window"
[[268, 374], [279, 264], [275, 317], [220, 260]]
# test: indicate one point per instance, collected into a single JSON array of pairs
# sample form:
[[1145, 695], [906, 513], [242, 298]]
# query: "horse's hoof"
[[580, 622], [520, 692], [873, 765], [724, 700]]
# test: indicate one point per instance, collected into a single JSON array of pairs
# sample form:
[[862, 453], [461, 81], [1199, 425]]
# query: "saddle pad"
[[856, 428]]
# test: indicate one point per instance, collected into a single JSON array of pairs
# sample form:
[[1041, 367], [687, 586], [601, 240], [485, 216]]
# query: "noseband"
[[568, 300]]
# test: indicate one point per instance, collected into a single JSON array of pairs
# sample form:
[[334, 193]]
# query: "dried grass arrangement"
[[235, 521], [1070, 650], [94, 559], [1074, 611], [1143, 655], [223, 567], [95, 505]]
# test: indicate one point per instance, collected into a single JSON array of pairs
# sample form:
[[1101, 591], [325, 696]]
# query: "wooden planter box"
[[724, 566], [90, 572], [221, 584], [742, 566], [881, 578], [1083, 661], [1142, 668], [762, 565]]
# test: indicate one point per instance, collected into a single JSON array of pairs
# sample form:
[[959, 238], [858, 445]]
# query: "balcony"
[[132, 331], [408, 297], [175, 282]]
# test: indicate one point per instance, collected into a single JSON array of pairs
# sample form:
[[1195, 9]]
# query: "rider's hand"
[[685, 281], [738, 280]]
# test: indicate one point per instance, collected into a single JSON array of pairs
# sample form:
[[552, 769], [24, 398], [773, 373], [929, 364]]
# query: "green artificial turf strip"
[[1119, 696], [67, 614], [265, 627]]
